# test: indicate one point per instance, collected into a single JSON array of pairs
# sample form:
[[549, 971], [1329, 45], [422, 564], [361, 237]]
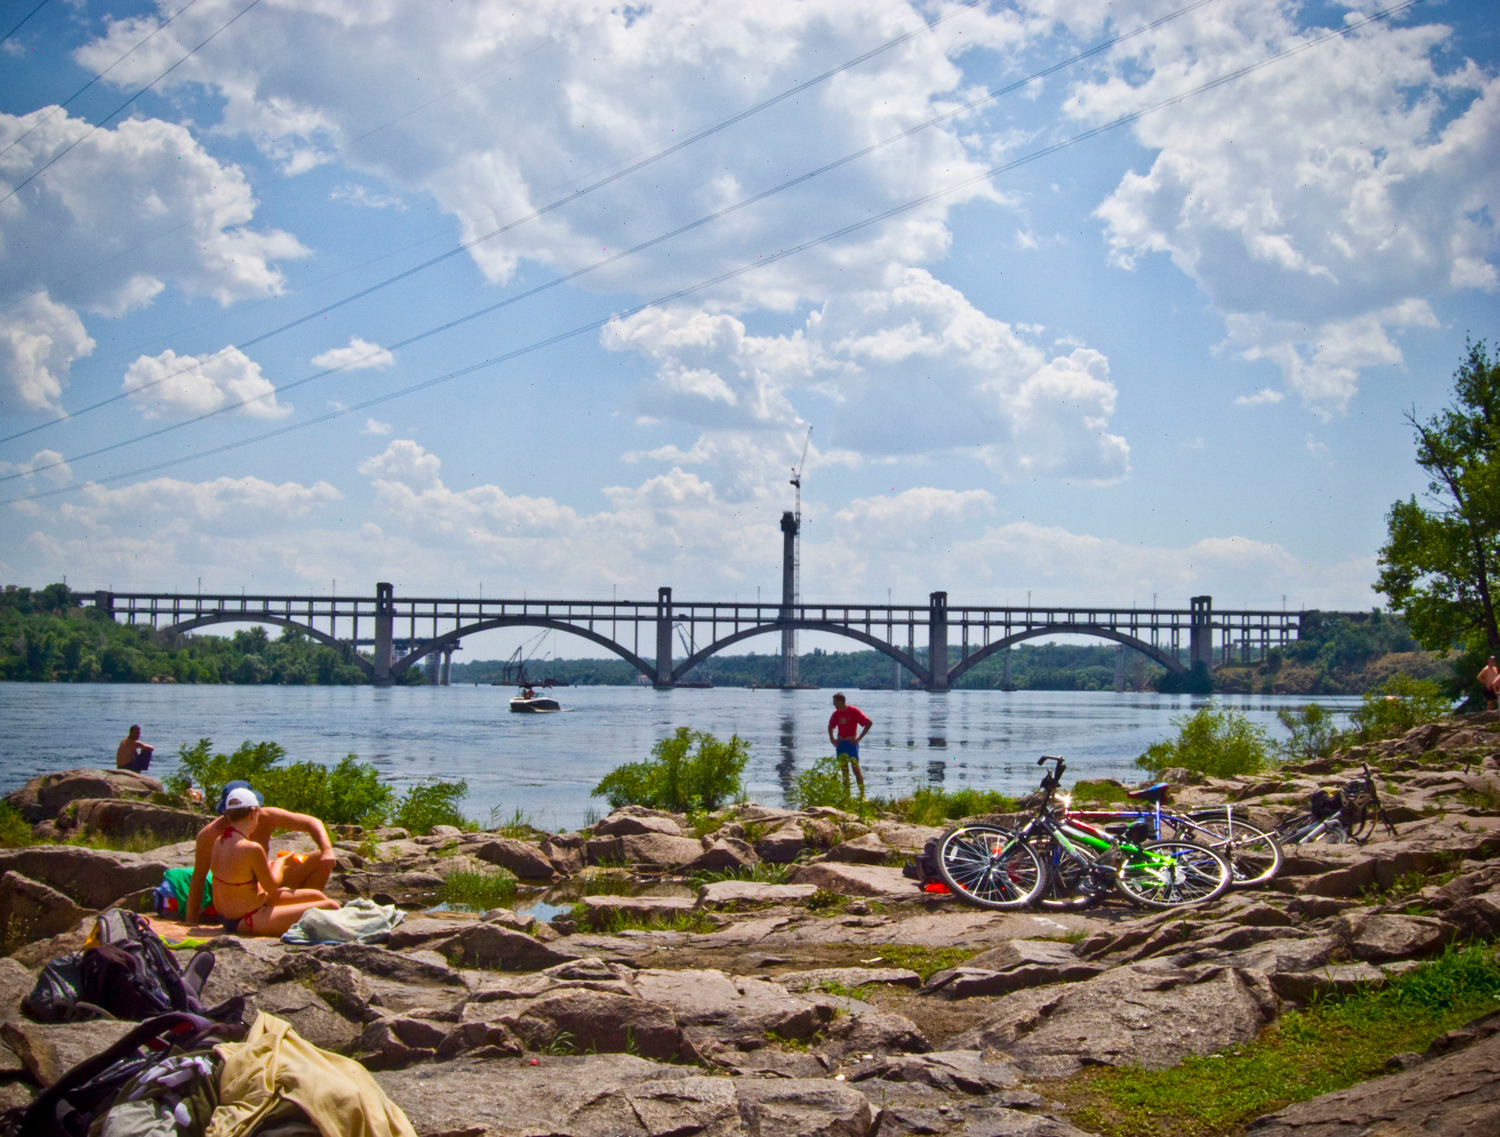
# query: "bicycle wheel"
[[1068, 887], [1170, 874], [1254, 856], [990, 867]]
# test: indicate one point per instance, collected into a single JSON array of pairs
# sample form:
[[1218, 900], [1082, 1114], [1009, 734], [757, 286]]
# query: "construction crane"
[[790, 678]]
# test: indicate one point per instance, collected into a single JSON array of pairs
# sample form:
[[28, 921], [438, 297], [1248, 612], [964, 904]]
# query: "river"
[[545, 765]]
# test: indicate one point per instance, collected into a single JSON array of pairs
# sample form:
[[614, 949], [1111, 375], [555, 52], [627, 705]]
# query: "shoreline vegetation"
[[46, 637]]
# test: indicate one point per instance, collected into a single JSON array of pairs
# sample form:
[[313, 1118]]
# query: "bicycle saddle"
[[1156, 793]]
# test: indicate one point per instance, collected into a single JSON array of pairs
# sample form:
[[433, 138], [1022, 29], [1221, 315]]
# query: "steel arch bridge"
[[941, 642]]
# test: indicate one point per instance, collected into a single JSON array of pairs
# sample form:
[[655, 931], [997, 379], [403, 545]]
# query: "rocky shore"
[[837, 999]]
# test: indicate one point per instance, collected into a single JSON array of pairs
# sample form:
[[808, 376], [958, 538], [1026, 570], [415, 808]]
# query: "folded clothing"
[[361, 921]]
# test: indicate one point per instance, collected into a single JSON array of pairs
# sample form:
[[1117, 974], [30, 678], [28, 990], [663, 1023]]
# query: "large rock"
[[92, 878], [501, 949], [1382, 938], [528, 862], [600, 1021], [727, 853], [16, 983], [1477, 916], [120, 818], [866, 850], [309, 1013], [634, 820], [749, 894], [617, 1095], [565, 851], [1152, 1014], [781, 846], [855, 880], [51, 1051], [730, 1009], [604, 911], [1301, 987], [31, 911], [849, 977], [1453, 1096], [43, 797], [398, 966], [953, 1071], [645, 850]]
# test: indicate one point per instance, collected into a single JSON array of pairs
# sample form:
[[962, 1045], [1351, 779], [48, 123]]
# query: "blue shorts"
[[847, 748]]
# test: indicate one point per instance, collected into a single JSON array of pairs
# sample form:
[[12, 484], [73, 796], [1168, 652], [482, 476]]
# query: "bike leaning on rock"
[[1350, 813], [1073, 864]]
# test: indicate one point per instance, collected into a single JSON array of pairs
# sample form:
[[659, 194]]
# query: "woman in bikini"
[[248, 890]]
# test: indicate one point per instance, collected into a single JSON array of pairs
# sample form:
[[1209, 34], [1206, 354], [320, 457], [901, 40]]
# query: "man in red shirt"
[[852, 725]]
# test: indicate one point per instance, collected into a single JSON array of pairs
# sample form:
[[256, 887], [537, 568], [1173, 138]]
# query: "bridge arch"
[[1150, 651], [879, 645], [262, 618], [450, 638]]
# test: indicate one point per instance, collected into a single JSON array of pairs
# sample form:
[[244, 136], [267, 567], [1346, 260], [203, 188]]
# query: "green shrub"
[[933, 805], [1396, 706], [351, 793], [15, 830], [1102, 792], [678, 777], [432, 803], [1214, 740], [478, 891], [823, 783], [1313, 732]]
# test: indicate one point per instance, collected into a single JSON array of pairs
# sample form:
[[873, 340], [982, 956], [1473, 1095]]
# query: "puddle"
[[544, 912]]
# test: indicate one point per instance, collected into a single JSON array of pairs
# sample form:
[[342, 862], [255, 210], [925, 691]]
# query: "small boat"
[[524, 704]]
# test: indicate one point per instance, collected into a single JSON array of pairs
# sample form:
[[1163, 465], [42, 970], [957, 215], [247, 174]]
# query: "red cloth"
[[846, 723]]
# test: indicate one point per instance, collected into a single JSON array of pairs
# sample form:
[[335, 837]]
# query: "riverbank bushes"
[[47, 637], [689, 771], [1216, 741]]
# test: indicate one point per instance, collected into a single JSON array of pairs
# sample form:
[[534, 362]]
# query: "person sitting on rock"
[[254, 893], [132, 753], [1489, 679]]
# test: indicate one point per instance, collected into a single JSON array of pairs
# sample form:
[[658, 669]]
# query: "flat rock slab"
[[50, 1051], [616, 1095], [748, 893], [1151, 1014], [855, 880], [1454, 1096], [956, 1071], [848, 977], [605, 910]]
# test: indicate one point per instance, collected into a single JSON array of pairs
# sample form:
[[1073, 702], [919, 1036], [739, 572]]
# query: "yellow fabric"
[[275, 1063]]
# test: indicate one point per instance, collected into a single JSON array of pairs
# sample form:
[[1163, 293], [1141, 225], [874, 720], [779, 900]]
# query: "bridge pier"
[[663, 639], [1201, 632], [385, 620], [937, 640], [447, 672], [1119, 668], [789, 525]]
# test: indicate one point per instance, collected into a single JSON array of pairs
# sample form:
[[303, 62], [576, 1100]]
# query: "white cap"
[[240, 798]]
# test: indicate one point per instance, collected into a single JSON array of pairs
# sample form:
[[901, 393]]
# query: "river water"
[[545, 765]]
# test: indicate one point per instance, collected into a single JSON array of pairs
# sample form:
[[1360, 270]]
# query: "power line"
[[42, 122], [24, 18], [1035, 155], [68, 149], [574, 275], [690, 140]]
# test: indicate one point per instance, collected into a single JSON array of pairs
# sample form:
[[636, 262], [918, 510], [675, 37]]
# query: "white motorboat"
[[534, 705]]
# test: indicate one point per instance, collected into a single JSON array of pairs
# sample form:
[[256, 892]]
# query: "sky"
[[542, 297]]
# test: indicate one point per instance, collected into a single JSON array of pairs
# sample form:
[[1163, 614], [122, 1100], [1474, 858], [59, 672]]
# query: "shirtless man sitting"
[[253, 893], [132, 753]]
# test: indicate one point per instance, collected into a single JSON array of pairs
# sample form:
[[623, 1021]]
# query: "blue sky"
[[1170, 359]]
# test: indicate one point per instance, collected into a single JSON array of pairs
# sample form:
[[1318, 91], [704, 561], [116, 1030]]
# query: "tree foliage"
[[351, 793], [1439, 560], [679, 777], [1214, 740], [1396, 706]]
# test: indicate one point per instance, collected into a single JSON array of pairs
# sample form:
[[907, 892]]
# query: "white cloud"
[[1266, 395], [1291, 196], [375, 426], [179, 386], [908, 370], [358, 356], [38, 340], [365, 198], [49, 463]]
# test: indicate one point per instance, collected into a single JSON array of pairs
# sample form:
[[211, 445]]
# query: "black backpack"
[[70, 1105], [924, 867], [125, 971]]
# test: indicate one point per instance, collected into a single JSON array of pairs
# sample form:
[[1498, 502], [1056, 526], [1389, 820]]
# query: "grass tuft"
[[762, 872], [468, 889], [925, 960]]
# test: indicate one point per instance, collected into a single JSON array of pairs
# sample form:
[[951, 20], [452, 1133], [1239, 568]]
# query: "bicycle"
[[1081, 864], [1347, 814], [1254, 855]]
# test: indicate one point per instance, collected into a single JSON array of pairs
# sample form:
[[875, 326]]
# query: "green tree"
[[1214, 740], [1439, 560], [676, 777]]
